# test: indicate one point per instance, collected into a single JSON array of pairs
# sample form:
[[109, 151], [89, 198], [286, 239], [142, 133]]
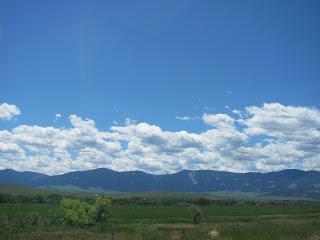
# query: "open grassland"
[[12, 209], [174, 222], [160, 214]]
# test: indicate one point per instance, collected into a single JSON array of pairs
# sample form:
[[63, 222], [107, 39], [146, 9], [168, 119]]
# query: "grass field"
[[158, 214], [174, 222]]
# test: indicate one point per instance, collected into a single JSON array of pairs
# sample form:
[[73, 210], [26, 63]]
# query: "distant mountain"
[[24, 178], [289, 183]]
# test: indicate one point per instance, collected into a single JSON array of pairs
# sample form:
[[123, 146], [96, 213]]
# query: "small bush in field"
[[32, 218], [196, 215], [4, 221], [20, 220], [56, 217]]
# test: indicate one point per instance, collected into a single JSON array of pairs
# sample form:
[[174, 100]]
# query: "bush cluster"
[[75, 212], [72, 212]]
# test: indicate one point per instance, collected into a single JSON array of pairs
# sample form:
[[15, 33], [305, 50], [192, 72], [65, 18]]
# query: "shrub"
[[56, 217], [78, 213], [102, 208], [32, 218], [196, 215], [4, 221], [19, 220]]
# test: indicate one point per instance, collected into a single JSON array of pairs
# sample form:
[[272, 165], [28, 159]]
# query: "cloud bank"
[[263, 138]]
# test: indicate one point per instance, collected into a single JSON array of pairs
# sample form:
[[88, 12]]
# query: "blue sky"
[[152, 61]]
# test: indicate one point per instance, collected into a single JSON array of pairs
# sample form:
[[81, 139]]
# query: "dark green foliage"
[[55, 217], [33, 218], [54, 198], [4, 222], [196, 215], [10, 198]]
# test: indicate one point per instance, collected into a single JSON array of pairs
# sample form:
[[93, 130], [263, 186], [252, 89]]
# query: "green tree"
[[76, 212], [102, 209]]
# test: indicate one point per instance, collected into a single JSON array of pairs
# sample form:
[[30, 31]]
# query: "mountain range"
[[285, 183]]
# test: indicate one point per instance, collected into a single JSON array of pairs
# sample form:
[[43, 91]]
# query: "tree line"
[[55, 198]]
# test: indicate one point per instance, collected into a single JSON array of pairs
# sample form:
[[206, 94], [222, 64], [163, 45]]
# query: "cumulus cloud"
[[61, 149], [151, 136], [8, 111], [218, 120], [263, 138], [285, 122]]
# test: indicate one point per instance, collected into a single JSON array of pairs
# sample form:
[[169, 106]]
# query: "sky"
[[159, 86]]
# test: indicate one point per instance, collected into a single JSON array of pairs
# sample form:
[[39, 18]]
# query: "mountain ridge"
[[287, 182]]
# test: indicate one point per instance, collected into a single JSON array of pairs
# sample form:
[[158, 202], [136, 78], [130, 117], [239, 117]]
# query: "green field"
[[157, 215], [174, 222], [160, 214]]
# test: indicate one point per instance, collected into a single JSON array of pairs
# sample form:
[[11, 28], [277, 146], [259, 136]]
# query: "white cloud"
[[183, 118], [312, 163], [292, 134], [186, 118], [129, 121], [281, 121], [8, 111], [218, 120], [57, 116], [266, 138], [236, 112], [154, 137]]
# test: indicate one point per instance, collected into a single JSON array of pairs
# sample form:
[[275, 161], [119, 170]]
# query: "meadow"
[[174, 222], [27, 213]]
